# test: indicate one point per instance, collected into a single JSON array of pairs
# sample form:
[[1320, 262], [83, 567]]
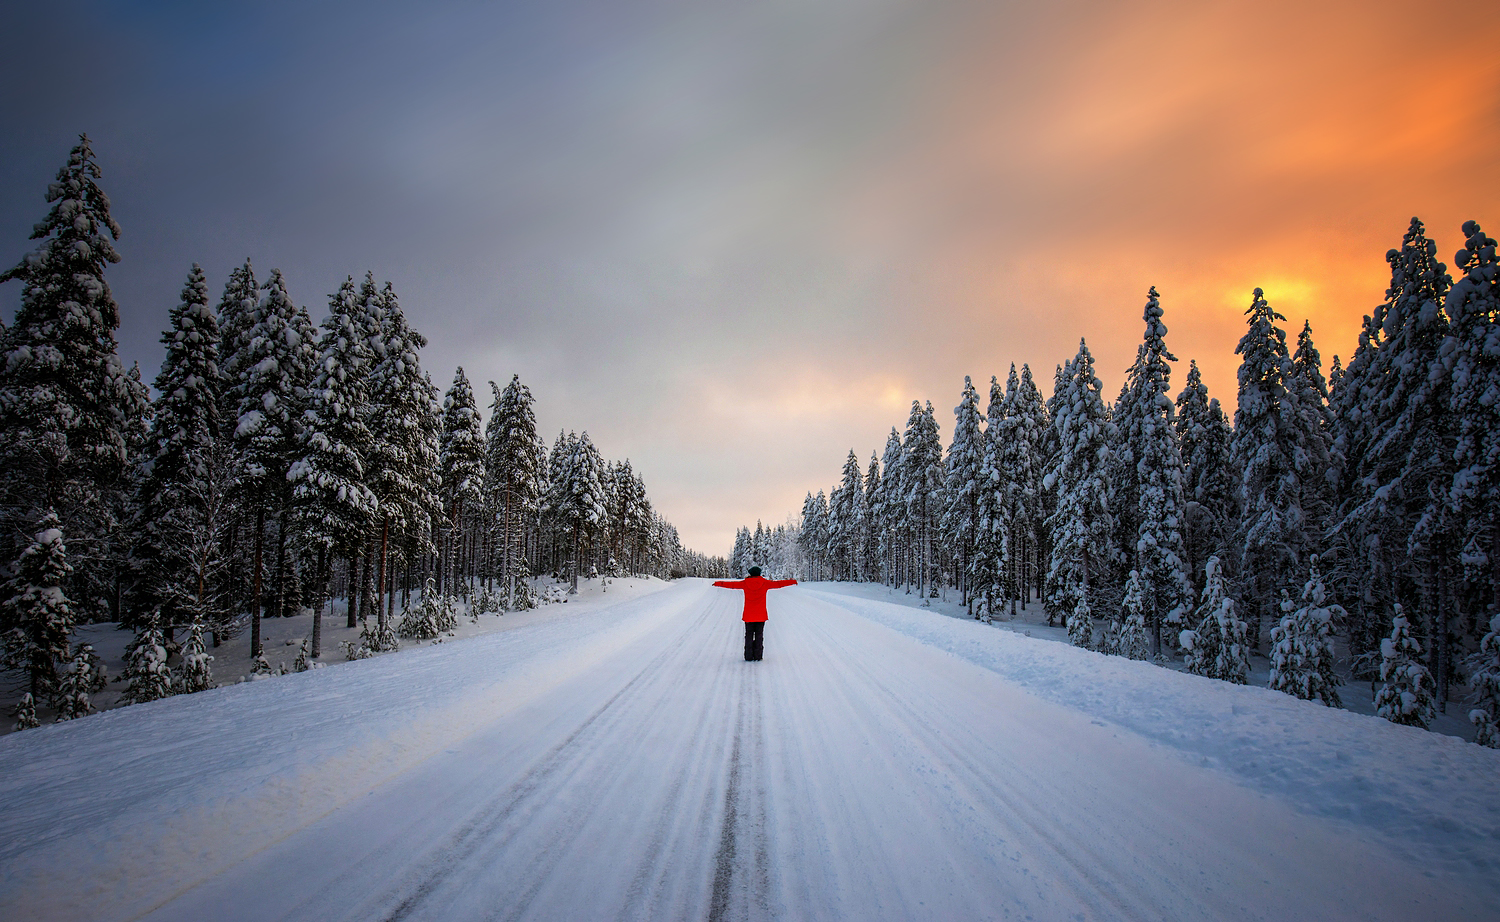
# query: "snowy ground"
[[617, 759], [1356, 694], [282, 638]]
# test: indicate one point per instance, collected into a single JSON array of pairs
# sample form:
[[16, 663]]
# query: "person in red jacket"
[[755, 588]]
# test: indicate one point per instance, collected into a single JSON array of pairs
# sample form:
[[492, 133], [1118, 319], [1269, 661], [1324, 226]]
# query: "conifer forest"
[[282, 463], [1343, 520]]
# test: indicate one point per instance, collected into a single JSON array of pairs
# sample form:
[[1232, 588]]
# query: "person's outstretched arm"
[[730, 584], [781, 583]]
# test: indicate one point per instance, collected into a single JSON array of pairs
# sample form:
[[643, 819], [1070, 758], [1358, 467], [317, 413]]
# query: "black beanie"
[[755, 571]]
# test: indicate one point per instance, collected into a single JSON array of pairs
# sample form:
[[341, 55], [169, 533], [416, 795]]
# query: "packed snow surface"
[[619, 759]]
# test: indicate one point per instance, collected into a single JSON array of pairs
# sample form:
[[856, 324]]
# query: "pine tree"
[[964, 467], [67, 405], [236, 317], [461, 464], [402, 463], [147, 676], [333, 508], [1217, 648], [575, 498], [513, 469], [182, 507], [1484, 681], [84, 677], [26, 713], [38, 616], [1133, 638], [1407, 695], [1210, 483], [1081, 524], [1153, 476], [1302, 651], [1266, 451], [922, 479], [992, 533], [1081, 623], [846, 521], [870, 558], [1472, 354], [1406, 471], [1321, 467], [196, 672], [275, 368], [889, 510]]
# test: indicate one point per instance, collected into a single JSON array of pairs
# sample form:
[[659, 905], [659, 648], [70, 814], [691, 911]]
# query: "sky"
[[734, 240]]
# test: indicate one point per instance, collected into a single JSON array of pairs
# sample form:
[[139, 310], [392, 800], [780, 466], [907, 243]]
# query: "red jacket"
[[755, 589]]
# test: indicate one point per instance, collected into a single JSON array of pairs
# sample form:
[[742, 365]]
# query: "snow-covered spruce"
[[147, 676], [1269, 454], [1217, 648], [1148, 484], [1484, 682], [38, 615], [26, 718], [1081, 624], [84, 677], [1081, 524], [1407, 695], [1134, 638], [195, 672], [1210, 485], [1302, 644]]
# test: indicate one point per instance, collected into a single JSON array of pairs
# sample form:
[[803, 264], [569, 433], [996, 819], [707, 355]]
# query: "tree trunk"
[[324, 578], [380, 602], [260, 529]]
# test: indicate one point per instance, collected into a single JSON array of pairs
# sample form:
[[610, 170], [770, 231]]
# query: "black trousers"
[[755, 636]]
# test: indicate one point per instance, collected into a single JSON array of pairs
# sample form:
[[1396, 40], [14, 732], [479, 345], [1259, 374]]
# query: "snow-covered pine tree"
[[1081, 623], [267, 394], [195, 673], [1472, 353], [1266, 450], [1209, 484], [236, 316], [1407, 695], [922, 478], [26, 718], [84, 677], [1321, 466], [1030, 430], [402, 461], [514, 456], [461, 462], [182, 506], [333, 509], [964, 467], [845, 517], [1403, 489], [990, 559], [1132, 635], [869, 551], [889, 510], [1081, 524], [1217, 648], [38, 617], [1484, 684], [1144, 421], [1302, 644], [814, 533], [146, 676], [68, 404], [575, 498]]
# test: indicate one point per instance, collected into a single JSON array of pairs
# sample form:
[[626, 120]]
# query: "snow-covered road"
[[623, 762]]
